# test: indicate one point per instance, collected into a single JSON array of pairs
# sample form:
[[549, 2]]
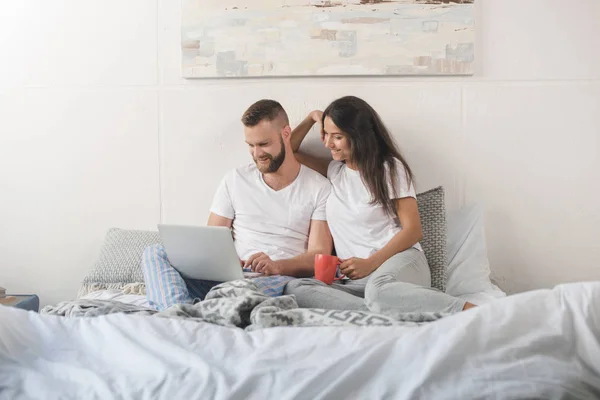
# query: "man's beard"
[[275, 161]]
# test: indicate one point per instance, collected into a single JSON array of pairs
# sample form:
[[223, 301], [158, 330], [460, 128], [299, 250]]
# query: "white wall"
[[98, 129]]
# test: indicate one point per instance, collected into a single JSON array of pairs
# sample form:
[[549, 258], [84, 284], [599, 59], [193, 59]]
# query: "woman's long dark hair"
[[371, 148]]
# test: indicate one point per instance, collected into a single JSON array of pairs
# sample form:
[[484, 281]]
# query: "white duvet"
[[542, 344]]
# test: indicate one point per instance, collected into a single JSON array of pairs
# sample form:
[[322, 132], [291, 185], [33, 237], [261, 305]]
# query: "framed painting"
[[253, 38]]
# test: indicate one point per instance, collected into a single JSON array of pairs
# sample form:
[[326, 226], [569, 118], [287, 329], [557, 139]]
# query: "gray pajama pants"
[[401, 284]]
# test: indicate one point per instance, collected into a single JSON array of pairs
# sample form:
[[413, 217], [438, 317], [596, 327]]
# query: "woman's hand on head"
[[316, 115]]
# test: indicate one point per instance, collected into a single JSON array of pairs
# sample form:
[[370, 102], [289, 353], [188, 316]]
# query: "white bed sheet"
[[118, 295], [541, 344]]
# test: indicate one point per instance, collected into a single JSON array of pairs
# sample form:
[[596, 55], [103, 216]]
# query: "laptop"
[[201, 252]]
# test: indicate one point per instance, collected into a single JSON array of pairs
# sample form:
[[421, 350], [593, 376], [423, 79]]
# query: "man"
[[275, 208]]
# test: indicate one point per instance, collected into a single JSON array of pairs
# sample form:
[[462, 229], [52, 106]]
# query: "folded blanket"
[[242, 304]]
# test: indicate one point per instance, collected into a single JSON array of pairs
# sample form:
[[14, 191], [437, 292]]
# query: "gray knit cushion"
[[433, 221], [121, 257]]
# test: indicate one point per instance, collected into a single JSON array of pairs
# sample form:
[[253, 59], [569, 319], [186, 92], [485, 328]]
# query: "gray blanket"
[[241, 304]]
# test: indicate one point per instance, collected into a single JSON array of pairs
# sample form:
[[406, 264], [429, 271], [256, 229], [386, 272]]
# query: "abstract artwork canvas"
[[246, 38]]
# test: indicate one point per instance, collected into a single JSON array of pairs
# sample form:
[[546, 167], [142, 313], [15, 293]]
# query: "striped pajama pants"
[[166, 287]]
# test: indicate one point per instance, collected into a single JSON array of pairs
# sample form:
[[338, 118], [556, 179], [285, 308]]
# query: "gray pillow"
[[121, 257], [433, 221]]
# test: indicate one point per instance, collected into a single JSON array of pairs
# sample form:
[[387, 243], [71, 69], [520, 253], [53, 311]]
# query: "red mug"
[[326, 267]]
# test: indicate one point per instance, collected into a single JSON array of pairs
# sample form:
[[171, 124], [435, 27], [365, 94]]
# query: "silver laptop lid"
[[201, 252]]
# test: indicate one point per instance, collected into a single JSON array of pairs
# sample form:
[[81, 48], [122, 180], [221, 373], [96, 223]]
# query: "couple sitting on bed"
[[283, 211]]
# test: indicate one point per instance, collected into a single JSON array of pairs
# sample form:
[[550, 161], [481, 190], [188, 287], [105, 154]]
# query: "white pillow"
[[468, 274]]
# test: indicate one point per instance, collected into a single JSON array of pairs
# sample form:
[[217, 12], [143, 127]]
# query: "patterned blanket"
[[242, 304]]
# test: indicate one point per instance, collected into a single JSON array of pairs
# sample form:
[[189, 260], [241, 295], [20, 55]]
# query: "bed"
[[240, 345]]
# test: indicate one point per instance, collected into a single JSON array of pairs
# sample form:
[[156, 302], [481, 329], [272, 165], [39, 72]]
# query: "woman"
[[373, 217]]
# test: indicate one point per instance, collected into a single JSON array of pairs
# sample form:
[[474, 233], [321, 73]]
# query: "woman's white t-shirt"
[[359, 228]]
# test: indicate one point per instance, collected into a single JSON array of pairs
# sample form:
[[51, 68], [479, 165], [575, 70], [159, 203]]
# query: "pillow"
[[120, 260], [432, 210], [468, 265]]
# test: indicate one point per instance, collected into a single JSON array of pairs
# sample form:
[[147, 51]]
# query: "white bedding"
[[542, 344], [118, 295]]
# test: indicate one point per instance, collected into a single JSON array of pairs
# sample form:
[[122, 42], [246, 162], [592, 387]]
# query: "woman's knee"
[[409, 266], [379, 297], [375, 286], [299, 285]]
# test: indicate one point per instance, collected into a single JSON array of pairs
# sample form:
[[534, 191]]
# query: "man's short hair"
[[268, 110]]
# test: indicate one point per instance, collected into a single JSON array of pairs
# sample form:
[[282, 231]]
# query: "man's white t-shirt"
[[264, 220], [359, 228]]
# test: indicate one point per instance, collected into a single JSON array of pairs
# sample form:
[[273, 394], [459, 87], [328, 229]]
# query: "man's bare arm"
[[319, 242], [217, 220]]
